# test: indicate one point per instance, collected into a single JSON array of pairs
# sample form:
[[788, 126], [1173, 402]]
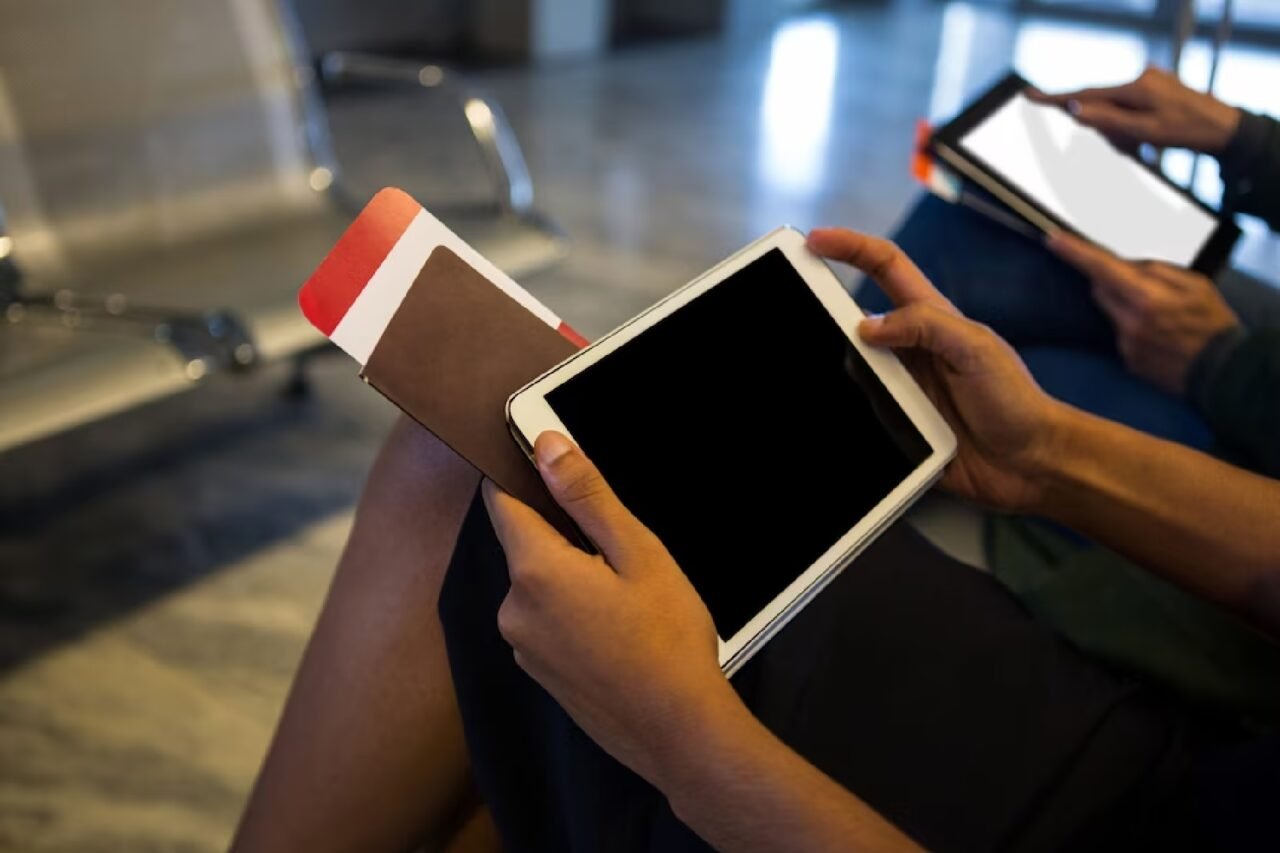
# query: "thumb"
[[580, 490], [954, 339]]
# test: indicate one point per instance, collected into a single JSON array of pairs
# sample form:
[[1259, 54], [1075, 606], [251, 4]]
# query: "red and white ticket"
[[356, 290]]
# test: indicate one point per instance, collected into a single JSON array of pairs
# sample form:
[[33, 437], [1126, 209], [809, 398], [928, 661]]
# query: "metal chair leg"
[[299, 385]]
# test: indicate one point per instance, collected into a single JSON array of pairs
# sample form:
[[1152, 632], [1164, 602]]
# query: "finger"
[[1119, 311], [1112, 120], [526, 537], [1129, 94], [1091, 259], [1180, 278], [884, 262], [1144, 288], [1130, 351], [927, 327], [513, 619], [1138, 292], [578, 486], [1125, 144]]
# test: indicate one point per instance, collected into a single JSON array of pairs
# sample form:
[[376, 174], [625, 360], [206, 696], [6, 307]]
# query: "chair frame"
[[217, 340]]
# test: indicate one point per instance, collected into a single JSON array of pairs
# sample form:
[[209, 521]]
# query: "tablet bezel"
[[529, 414], [946, 143]]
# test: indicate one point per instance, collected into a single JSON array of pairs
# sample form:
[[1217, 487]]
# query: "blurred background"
[[180, 454]]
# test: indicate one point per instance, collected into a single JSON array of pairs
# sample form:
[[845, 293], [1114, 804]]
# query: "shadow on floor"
[[99, 521]]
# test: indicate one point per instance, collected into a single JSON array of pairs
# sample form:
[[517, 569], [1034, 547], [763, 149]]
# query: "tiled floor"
[[159, 571]]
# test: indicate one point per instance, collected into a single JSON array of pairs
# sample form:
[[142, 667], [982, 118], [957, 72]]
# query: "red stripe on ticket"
[[345, 271], [356, 290]]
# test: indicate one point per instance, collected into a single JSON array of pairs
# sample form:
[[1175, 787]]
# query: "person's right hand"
[[1164, 316], [1156, 109], [1007, 427]]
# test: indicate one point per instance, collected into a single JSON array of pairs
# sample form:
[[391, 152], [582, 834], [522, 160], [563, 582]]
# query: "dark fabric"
[[1250, 169], [1256, 301], [1241, 402], [915, 681], [1118, 613], [1237, 789], [1206, 366], [1000, 277]]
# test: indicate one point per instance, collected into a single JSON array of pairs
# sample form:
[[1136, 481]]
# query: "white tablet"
[[746, 424]]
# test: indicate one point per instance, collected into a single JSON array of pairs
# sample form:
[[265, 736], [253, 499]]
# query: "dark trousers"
[[914, 681]]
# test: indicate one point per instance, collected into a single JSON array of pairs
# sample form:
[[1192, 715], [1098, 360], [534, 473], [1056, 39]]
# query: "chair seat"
[[52, 377]]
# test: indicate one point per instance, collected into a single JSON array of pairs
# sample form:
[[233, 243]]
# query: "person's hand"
[[1163, 315], [1006, 426], [621, 640], [1156, 109]]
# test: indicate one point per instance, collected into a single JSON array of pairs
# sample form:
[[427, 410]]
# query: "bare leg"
[[369, 753]]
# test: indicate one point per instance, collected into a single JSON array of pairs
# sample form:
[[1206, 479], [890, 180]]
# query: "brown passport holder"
[[455, 350]]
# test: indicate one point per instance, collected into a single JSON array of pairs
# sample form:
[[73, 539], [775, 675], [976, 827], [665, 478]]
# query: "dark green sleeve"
[[1235, 385], [1250, 168]]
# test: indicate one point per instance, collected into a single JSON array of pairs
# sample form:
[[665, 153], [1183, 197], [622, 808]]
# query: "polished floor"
[[159, 572]]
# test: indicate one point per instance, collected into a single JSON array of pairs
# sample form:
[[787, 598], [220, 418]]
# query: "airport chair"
[[167, 183]]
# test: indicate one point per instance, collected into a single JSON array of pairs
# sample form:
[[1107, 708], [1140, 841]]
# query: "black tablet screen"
[[746, 432]]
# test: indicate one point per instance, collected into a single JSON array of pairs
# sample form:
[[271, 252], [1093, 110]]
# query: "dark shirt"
[[1235, 381], [1250, 168]]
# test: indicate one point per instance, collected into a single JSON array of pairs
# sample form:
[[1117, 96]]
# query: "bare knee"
[[414, 501]]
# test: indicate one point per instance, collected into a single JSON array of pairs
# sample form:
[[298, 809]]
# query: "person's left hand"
[[1164, 315], [622, 640], [1008, 430]]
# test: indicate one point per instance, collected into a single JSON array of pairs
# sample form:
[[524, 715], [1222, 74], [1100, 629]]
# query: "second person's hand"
[[1157, 108], [1164, 316]]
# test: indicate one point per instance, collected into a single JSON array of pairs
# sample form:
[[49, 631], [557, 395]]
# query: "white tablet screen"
[[1075, 174], [746, 432]]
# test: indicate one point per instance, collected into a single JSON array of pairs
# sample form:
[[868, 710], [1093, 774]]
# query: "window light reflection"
[[1247, 77], [1058, 57], [951, 71], [795, 113]]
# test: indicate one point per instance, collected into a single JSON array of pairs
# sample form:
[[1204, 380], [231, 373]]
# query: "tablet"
[[1060, 174], [746, 424]]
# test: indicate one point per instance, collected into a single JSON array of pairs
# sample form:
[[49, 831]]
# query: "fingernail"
[[870, 324], [549, 447], [1073, 107]]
